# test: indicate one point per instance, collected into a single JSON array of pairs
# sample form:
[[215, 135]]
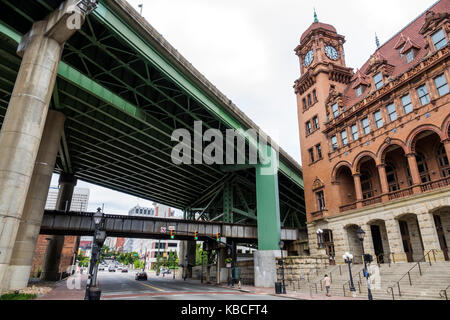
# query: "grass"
[[19, 296]]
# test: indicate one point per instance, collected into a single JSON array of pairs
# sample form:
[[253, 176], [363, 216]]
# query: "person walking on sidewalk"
[[327, 284]]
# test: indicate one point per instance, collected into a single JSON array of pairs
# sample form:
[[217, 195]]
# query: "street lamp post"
[[348, 258], [281, 244], [92, 292], [360, 233]]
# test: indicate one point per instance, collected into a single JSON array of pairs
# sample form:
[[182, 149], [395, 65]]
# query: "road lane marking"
[[149, 286]]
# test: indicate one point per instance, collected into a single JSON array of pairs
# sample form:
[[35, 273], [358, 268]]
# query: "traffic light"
[[172, 234], [196, 235], [219, 236], [368, 258]]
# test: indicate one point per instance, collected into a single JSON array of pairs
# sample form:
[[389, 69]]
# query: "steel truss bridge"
[[124, 89]]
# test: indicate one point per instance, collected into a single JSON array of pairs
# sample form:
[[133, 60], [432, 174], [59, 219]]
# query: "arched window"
[[423, 168], [444, 166], [366, 185], [392, 178]]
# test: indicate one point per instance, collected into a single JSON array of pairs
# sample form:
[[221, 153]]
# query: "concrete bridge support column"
[[22, 255], [50, 272], [269, 226], [25, 118], [191, 255]]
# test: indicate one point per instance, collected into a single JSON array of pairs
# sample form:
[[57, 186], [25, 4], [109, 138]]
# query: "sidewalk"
[[61, 290], [271, 291]]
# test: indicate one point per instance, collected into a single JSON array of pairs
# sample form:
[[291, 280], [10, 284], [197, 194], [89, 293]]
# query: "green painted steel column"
[[228, 203], [268, 203]]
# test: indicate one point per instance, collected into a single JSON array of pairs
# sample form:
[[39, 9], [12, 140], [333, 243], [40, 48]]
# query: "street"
[[122, 286]]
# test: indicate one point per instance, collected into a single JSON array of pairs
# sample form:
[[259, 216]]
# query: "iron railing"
[[358, 282], [315, 284], [444, 294], [372, 201], [401, 193], [423, 259], [429, 186]]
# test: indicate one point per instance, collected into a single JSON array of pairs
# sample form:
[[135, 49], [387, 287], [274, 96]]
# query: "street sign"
[[163, 229], [171, 227]]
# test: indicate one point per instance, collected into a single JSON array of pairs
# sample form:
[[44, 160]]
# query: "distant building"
[[80, 199]]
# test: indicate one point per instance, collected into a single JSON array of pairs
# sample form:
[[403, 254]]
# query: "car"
[[111, 269], [167, 271], [101, 268], [141, 275], [119, 268], [124, 269]]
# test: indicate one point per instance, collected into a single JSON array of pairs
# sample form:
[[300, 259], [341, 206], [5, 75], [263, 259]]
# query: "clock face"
[[331, 52], [309, 57]]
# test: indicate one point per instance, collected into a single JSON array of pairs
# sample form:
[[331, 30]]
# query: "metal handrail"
[[384, 257], [397, 283], [443, 293], [331, 278], [358, 282]]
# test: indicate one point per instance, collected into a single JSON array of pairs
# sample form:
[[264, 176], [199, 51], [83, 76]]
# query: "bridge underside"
[[123, 98]]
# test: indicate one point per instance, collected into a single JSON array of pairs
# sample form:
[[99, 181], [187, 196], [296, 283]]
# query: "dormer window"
[[359, 90], [439, 39], [335, 110], [378, 80], [410, 55]]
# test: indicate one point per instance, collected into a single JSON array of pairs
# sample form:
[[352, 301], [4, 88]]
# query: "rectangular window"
[[320, 201], [359, 91], [439, 39], [319, 151], [355, 134], [314, 96], [334, 143], [410, 56], [378, 119], [335, 109], [407, 104], [441, 85], [378, 80], [308, 128], [392, 112], [344, 138], [365, 125], [309, 100], [311, 155], [305, 106], [424, 97], [316, 123]]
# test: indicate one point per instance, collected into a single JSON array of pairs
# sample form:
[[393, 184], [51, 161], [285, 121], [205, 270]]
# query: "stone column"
[[22, 256], [397, 252], [412, 163], [368, 241], [446, 144], [383, 181], [25, 118], [191, 254], [358, 190], [50, 272], [429, 236]]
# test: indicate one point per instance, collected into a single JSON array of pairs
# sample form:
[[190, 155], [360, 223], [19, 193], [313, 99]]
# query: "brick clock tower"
[[323, 75], [375, 143]]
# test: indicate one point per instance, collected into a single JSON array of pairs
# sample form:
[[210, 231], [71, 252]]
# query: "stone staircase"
[[427, 286]]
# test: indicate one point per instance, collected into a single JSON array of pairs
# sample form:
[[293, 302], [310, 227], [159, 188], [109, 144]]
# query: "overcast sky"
[[245, 48]]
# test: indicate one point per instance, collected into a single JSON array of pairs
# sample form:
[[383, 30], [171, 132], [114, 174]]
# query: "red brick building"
[[376, 141]]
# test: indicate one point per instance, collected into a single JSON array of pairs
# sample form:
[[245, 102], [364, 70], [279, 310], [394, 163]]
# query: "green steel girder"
[[129, 36], [107, 150], [228, 202]]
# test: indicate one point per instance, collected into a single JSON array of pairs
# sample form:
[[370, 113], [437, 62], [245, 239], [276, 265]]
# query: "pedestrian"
[[327, 284]]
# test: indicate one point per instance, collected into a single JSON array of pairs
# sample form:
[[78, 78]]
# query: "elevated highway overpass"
[[115, 90]]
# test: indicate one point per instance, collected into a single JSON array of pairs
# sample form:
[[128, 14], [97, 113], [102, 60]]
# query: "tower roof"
[[316, 26]]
